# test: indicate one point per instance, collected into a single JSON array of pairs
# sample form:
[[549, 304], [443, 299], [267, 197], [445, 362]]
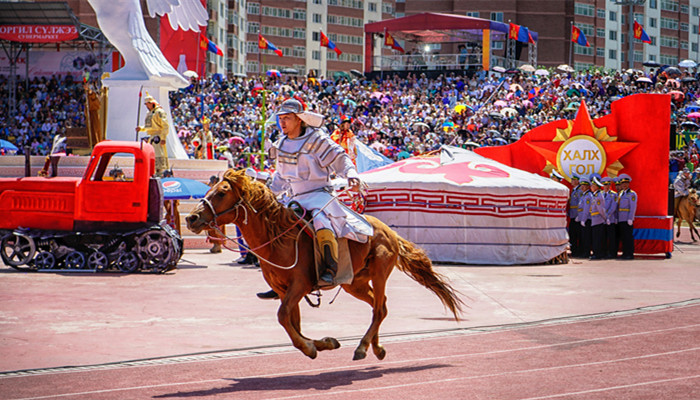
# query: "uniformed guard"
[[627, 208], [598, 218], [584, 218], [681, 188], [611, 220], [156, 126], [574, 227]]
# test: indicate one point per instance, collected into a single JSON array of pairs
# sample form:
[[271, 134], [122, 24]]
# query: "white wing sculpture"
[[122, 23]]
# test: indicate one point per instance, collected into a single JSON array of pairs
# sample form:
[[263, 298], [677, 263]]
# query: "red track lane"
[[651, 354]]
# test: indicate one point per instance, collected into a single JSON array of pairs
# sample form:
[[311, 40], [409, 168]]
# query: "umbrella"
[[500, 103], [460, 108], [672, 71], [357, 73], [674, 83], [421, 124], [340, 75], [573, 106], [694, 115], [448, 124], [470, 143], [651, 64], [236, 139], [7, 146], [688, 79], [514, 87], [526, 68], [565, 68], [644, 80], [496, 115], [676, 94], [273, 73], [376, 95], [500, 140], [498, 69], [690, 125], [687, 64], [542, 72], [494, 133], [509, 112], [190, 74], [290, 71], [182, 189]]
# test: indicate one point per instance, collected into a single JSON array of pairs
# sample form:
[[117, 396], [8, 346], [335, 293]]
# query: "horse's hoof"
[[379, 352], [359, 355], [333, 343], [312, 354]]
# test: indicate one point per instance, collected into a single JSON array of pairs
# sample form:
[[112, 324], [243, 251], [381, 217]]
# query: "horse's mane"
[[277, 217]]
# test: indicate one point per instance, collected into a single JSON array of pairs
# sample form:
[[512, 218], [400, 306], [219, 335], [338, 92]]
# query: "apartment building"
[[671, 24]]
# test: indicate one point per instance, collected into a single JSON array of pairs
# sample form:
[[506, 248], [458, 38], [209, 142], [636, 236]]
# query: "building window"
[[696, 11], [371, 6], [315, 36], [695, 29], [318, 2], [600, 51], [586, 10], [583, 50], [317, 18], [254, 8], [612, 54], [252, 67], [684, 9], [600, 13], [684, 27], [316, 55], [669, 23], [474, 14], [669, 41], [684, 45], [667, 59], [669, 5], [612, 35], [253, 27], [652, 22], [613, 16], [300, 14], [498, 45], [694, 47], [600, 32], [638, 56], [652, 4], [496, 16], [252, 47], [299, 33]]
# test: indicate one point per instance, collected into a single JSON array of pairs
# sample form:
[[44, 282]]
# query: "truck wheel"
[[75, 260], [17, 249], [128, 262], [97, 261], [44, 260]]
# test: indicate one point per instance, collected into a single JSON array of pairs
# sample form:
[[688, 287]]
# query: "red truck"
[[111, 218]]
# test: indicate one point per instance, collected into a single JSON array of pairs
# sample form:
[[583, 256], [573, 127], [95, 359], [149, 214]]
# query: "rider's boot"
[[328, 245]]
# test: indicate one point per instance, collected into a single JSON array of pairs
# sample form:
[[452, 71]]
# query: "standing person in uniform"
[[214, 236], [157, 127], [627, 209], [611, 218], [345, 137], [574, 227], [598, 218], [306, 157], [584, 218]]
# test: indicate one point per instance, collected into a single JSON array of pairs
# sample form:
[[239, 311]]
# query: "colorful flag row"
[[578, 37]]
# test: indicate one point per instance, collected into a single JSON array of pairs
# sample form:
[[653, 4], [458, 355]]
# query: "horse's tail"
[[415, 263]]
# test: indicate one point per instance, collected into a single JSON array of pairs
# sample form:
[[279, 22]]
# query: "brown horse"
[[687, 211], [287, 260]]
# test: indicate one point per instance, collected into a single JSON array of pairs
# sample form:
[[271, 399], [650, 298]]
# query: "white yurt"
[[464, 208]]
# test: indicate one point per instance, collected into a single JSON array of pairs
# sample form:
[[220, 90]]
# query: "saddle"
[[345, 274]]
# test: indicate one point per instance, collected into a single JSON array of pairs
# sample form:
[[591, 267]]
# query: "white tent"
[[464, 208]]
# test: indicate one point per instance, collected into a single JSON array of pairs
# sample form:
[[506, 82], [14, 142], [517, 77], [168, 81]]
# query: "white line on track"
[[418, 360]]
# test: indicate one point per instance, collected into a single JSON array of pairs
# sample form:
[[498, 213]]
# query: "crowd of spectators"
[[398, 117]]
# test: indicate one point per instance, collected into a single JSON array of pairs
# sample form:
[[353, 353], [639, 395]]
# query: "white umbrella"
[[565, 68], [509, 112], [190, 74], [499, 69], [542, 72], [527, 68], [687, 64]]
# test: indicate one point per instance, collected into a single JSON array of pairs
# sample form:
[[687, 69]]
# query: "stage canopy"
[[436, 28]]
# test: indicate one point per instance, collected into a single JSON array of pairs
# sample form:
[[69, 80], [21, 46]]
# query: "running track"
[[652, 353]]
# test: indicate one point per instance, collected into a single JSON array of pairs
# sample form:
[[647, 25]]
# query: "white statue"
[[146, 68], [121, 21]]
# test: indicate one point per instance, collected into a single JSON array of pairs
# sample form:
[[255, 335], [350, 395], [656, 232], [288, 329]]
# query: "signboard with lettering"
[[632, 139], [38, 33]]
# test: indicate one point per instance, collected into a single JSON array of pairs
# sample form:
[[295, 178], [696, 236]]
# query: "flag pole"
[[571, 44], [320, 56], [198, 44]]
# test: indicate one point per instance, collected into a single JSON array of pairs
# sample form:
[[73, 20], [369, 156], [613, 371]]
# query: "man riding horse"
[[306, 157], [681, 187]]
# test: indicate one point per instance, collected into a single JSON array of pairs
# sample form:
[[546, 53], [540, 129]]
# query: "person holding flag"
[[325, 42], [640, 34], [265, 44]]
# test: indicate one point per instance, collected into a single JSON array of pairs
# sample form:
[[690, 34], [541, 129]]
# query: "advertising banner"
[[59, 63], [38, 33]]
